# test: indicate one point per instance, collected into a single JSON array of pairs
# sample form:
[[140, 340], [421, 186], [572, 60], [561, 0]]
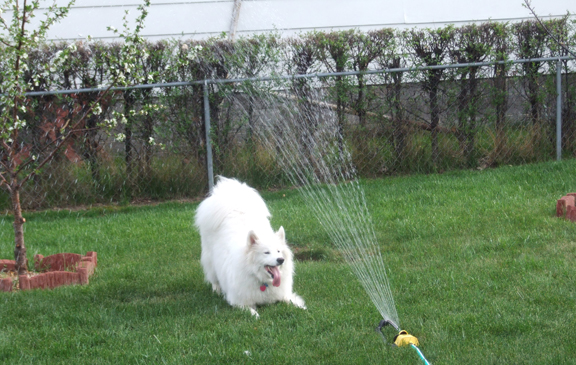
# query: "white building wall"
[[205, 18]]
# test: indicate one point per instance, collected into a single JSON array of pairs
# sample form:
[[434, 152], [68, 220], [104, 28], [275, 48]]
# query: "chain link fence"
[[392, 121]]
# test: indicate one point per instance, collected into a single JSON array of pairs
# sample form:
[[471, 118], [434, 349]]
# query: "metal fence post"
[[209, 163], [558, 109]]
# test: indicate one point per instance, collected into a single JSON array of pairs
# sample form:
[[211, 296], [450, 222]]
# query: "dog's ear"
[[281, 235], [252, 238]]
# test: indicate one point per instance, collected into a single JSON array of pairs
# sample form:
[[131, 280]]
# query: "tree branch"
[[3, 182], [59, 145], [529, 6]]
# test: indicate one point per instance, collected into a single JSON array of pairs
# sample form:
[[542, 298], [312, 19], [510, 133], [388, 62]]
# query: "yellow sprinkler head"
[[403, 338]]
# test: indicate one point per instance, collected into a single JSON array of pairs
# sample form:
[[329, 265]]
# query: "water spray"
[[402, 339], [319, 163], [310, 149]]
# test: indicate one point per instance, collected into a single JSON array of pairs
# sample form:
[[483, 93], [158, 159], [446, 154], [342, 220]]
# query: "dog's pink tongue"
[[276, 272]]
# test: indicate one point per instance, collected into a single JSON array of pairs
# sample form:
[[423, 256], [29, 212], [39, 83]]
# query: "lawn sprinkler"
[[403, 338]]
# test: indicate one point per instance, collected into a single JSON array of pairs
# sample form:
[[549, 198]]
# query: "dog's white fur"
[[240, 251]]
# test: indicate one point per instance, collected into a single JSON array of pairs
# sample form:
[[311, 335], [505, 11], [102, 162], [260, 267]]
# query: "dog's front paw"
[[298, 301], [216, 288], [254, 313]]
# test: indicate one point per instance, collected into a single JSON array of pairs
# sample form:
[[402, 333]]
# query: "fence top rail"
[[295, 77]]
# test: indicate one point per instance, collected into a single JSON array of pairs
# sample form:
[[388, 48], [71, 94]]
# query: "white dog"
[[242, 256]]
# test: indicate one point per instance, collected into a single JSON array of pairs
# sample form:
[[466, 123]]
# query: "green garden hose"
[[420, 354]]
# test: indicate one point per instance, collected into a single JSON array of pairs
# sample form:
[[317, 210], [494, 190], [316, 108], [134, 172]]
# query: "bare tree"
[[17, 164]]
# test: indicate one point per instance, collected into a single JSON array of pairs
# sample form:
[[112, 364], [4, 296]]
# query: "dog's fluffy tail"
[[229, 197]]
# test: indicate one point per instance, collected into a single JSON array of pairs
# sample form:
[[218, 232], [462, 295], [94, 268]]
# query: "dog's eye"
[[267, 252]]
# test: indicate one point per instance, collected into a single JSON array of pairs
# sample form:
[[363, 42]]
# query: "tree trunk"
[[434, 121], [533, 89], [218, 132], [568, 125], [340, 89], [467, 110], [399, 131], [361, 104], [473, 111], [91, 148], [20, 248], [501, 101], [128, 159], [251, 121], [463, 113], [146, 170], [128, 106]]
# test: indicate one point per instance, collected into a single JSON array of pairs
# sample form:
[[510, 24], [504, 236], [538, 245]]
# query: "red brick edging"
[[565, 207], [61, 269]]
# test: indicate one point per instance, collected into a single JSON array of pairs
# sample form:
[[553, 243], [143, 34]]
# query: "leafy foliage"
[[393, 122]]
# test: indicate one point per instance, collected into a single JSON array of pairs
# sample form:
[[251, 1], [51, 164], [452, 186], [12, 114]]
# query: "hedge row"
[[169, 122], [90, 64]]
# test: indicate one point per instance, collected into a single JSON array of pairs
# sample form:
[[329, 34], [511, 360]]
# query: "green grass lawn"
[[481, 271]]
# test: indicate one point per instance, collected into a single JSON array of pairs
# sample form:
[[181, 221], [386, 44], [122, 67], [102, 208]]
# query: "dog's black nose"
[[280, 260]]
